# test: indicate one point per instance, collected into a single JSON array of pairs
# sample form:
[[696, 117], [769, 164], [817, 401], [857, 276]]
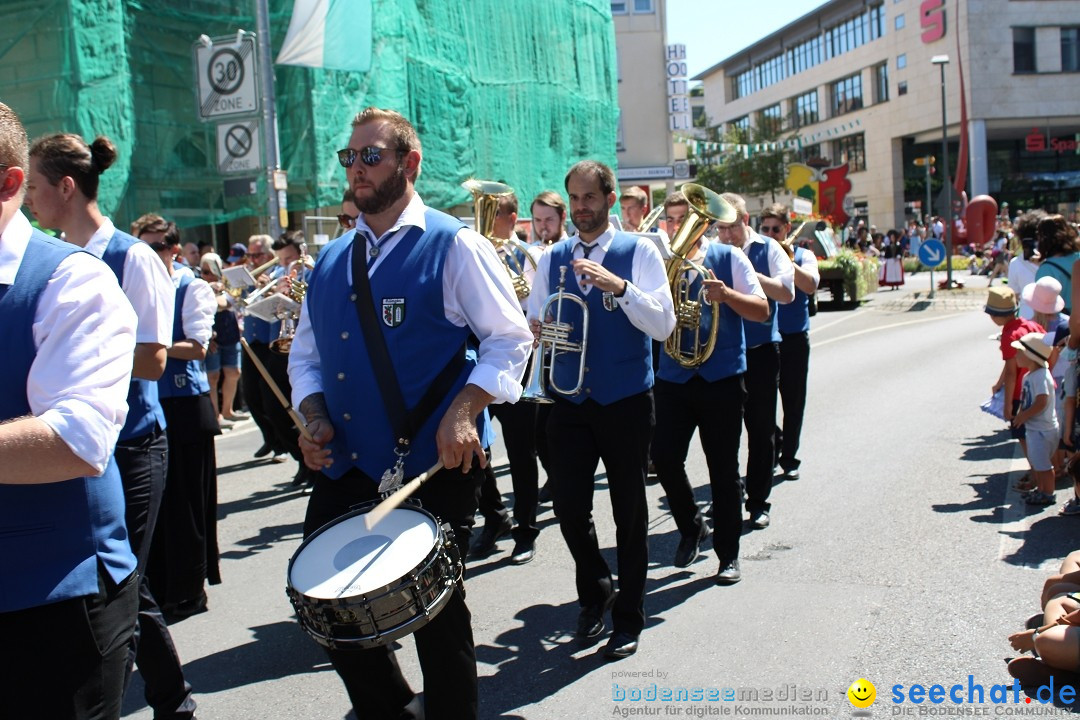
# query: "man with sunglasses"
[[349, 212], [793, 322], [420, 283], [776, 277]]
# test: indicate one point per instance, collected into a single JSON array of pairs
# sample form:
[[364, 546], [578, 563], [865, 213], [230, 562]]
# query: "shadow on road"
[[995, 446]]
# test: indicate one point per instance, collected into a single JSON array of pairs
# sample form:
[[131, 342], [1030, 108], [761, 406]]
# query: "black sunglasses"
[[771, 228], [370, 155]]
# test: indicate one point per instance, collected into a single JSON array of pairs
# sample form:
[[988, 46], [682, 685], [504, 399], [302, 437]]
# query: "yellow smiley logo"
[[862, 693]]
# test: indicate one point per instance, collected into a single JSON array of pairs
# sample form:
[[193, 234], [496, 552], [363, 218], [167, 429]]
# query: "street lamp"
[[941, 61]]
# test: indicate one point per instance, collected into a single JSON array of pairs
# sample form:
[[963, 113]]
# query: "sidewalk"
[[914, 294]]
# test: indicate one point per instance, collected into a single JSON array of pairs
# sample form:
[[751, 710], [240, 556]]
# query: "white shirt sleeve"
[[780, 267], [477, 293], [744, 278], [540, 290], [197, 315], [305, 367], [84, 331], [809, 265], [647, 300], [151, 292]]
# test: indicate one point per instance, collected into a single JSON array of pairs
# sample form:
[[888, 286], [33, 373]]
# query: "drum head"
[[347, 559]]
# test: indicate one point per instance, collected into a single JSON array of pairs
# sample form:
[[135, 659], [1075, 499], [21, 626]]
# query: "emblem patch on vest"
[[393, 311], [610, 303], [180, 381]]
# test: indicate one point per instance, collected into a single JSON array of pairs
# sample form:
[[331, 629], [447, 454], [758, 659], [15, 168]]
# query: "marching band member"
[[62, 193], [432, 282], [70, 596], [776, 277], [184, 554], [709, 399], [621, 279], [259, 333]]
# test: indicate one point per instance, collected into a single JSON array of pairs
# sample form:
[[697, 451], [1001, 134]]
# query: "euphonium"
[[486, 197], [555, 337], [706, 207]]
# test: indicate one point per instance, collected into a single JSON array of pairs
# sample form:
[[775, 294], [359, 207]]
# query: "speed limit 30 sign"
[[226, 75]]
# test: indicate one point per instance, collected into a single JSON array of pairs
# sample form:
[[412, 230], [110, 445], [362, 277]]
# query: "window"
[[847, 95], [1070, 49], [901, 61], [899, 21], [742, 127], [901, 87], [620, 145], [1023, 49], [806, 109], [810, 152], [771, 120], [881, 83], [618, 7], [852, 150], [643, 6]]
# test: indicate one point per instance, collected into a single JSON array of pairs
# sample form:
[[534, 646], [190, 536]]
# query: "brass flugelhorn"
[[788, 243], [648, 220], [555, 339], [705, 208], [486, 197]]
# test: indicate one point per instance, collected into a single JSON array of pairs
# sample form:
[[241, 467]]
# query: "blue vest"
[[52, 536], [795, 316], [182, 378], [760, 333], [257, 330], [144, 410], [618, 358], [729, 356], [407, 291]]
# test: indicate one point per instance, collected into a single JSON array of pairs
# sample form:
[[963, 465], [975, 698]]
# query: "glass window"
[[852, 150], [618, 7], [881, 83], [1023, 49], [899, 21], [806, 109], [1070, 49], [742, 127], [643, 6], [847, 95], [901, 61], [771, 120], [901, 87]]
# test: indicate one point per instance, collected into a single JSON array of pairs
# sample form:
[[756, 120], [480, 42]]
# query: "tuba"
[[706, 207], [555, 337], [486, 196]]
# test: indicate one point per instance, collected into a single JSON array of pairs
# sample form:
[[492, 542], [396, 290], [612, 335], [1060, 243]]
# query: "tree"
[[754, 173]]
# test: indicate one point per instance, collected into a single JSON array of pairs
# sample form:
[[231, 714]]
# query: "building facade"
[[855, 81]]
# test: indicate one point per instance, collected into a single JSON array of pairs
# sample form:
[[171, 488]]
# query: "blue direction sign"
[[932, 253]]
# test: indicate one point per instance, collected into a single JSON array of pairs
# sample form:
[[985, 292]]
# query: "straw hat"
[[1001, 302], [1044, 296], [1036, 346]]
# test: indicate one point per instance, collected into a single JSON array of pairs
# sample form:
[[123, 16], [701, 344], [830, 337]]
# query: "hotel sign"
[[678, 91]]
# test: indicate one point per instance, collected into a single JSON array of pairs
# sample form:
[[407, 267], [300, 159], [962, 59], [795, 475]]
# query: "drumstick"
[[400, 495], [300, 424]]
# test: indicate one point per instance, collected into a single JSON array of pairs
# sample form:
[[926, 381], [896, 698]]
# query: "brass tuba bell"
[[705, 208], [486, 197]]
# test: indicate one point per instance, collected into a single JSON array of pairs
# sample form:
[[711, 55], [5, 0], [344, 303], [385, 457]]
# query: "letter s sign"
[[932, 20]]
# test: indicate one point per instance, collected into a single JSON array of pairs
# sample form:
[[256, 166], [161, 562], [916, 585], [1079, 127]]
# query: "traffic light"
[[929, 159]]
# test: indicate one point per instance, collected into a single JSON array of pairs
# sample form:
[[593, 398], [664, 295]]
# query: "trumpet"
[[788, 243], [648, 220], [705, 208], [296, 274], [486, 197], [236, 292], [555, 337]]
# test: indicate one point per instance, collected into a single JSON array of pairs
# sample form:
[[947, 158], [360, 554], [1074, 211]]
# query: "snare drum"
[[357, 588]]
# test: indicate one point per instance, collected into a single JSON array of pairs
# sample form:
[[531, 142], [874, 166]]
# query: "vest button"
[[586, 369], [345, 335], [588, 391], [352, 297], [354, 456], [341, 376], [347, 416]]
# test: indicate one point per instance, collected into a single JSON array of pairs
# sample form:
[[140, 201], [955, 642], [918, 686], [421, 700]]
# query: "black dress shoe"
[[621, 645], [729, 573], [264, 450], [591, 620], [688, 549], [759, 519], [485, 544], [523, 552], [792, 474]]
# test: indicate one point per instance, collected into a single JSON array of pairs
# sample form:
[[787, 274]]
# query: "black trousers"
[[444, 646], [519, 436], [619, 434], [66, 660], [715, 410], [762, 379], [273, 420], [794, 367], [142, 462]]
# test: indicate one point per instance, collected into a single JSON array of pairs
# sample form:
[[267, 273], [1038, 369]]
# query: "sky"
[[713, 30]]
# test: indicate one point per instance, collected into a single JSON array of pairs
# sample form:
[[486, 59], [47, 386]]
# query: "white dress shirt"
[[809, 266], [476, 294], [197, 314], [647, 300], [146, 284], [84, 333], [744, 277], [780, 267]]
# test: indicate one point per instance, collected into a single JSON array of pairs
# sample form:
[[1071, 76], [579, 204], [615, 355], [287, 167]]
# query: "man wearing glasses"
[[776, 277], [793, 322], [432, 282]]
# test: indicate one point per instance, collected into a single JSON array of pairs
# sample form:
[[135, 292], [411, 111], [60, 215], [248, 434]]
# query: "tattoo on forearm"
[[313, 407]]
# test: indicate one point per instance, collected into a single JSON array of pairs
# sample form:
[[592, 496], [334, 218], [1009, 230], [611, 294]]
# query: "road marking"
[[834, 322], [886, 327]]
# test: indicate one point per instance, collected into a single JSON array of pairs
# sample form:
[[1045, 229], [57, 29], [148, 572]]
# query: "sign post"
[[931, 253], [225, 69]]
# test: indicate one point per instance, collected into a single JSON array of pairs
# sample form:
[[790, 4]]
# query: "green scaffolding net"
[[514, 92]]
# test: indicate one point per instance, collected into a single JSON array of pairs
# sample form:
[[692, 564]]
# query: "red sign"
[[932, 20], [1035, 141]]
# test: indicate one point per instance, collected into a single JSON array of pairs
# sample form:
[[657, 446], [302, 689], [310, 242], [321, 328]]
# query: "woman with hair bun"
[[62, 190]]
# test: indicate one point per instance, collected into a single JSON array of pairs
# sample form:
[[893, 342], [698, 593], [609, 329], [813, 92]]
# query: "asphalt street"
[[900, 556]]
